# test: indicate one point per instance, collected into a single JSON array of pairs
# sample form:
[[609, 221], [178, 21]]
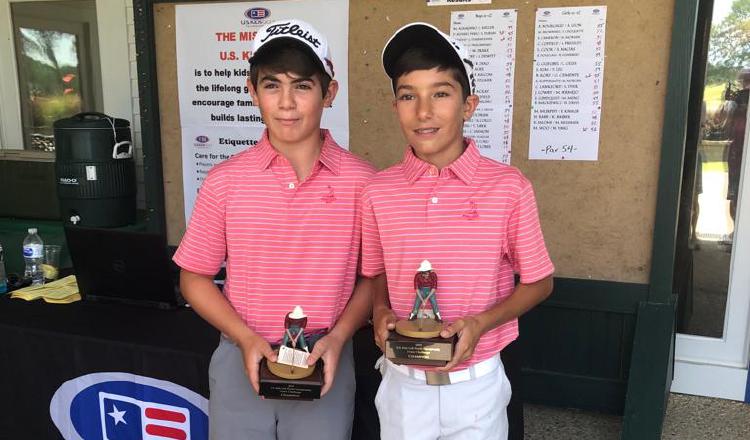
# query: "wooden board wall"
[[597, 216]]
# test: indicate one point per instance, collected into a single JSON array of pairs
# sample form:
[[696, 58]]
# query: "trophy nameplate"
[[277, 387], [405, 350]]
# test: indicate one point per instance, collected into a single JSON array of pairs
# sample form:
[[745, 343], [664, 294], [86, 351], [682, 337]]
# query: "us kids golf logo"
[[201, 141], [257, 13], [256, 17], [118, 406]]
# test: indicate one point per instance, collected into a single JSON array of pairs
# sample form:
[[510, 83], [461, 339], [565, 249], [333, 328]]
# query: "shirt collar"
[[330, 153], [413, 166], [464, 167]]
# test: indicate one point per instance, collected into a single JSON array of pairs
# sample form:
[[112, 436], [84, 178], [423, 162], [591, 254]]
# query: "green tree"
[[729, 48]]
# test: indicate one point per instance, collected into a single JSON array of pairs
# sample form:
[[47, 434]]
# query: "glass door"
[[711, 352]]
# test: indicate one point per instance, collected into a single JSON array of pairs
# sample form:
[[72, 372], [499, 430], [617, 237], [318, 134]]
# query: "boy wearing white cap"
[[476, 222], [263, 211]]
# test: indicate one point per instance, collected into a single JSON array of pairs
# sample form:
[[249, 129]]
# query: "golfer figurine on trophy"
[[293, 351], [425, 291], [417, 339], [290, 377], [425, 285]]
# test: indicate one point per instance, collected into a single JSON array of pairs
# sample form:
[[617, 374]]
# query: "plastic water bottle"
[[3, 275], [33, 254]]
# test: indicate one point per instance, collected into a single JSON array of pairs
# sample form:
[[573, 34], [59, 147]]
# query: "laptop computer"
[[123, 266]]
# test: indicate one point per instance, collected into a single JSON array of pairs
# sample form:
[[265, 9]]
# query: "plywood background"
[[597, 216]]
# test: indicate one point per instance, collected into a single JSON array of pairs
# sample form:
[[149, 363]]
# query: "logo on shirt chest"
[[471, 212], [329, 196]]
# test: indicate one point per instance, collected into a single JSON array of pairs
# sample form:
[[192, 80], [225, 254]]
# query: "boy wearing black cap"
[[263, 211], [476, 222]]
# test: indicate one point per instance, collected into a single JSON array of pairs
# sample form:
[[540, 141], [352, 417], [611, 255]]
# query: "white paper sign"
[[490, 37], [567, 83], [457, 2], [213, 46], [204, 147], [293, 357]]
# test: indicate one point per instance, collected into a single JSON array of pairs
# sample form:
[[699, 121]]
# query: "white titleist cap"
[[294, 30], [426, 35]]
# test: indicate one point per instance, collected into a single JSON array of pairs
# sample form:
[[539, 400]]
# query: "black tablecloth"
[[43, 345]]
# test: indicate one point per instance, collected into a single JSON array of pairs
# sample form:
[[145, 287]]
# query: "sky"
[[64, 48], [722, 8]]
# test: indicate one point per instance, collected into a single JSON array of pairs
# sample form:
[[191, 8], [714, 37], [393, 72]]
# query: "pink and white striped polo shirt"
[[476, 221], [286, 242]]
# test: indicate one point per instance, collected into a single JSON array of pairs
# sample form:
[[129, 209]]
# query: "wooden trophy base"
[[289, 371], [411, 345], [419, 328], [304, 383]]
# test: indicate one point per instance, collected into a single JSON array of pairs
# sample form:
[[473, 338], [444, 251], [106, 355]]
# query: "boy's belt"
[[446, 378]]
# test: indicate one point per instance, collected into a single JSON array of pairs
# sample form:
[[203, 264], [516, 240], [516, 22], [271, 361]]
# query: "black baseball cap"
[[427, 35]]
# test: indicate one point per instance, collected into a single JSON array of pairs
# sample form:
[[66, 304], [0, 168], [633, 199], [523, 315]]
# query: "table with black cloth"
[[44, 345]]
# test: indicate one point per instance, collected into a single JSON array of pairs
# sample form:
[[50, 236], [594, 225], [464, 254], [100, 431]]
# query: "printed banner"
[[214, 42], [116, 405]]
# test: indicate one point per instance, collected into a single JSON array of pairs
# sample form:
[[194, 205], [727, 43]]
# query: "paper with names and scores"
[[490, 38], [457, 2], [567, 83]]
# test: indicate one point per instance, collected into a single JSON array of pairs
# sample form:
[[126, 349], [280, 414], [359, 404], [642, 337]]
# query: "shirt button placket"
[[292, 193], [432, 197]]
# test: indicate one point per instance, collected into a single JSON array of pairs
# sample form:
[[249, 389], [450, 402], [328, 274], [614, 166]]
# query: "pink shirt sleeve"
[[203, 247], [372, 251], [526, 248]]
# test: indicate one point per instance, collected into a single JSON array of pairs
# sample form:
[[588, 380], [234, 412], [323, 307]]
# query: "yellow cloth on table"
[[62, 291]]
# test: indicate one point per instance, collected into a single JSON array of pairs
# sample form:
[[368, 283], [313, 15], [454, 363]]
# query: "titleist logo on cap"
[[285, 29]]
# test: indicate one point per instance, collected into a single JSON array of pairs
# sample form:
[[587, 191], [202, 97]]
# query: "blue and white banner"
[[120, 406]]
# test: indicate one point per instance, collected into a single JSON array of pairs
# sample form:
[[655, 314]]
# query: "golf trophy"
[[290, 377], [417, 340]]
